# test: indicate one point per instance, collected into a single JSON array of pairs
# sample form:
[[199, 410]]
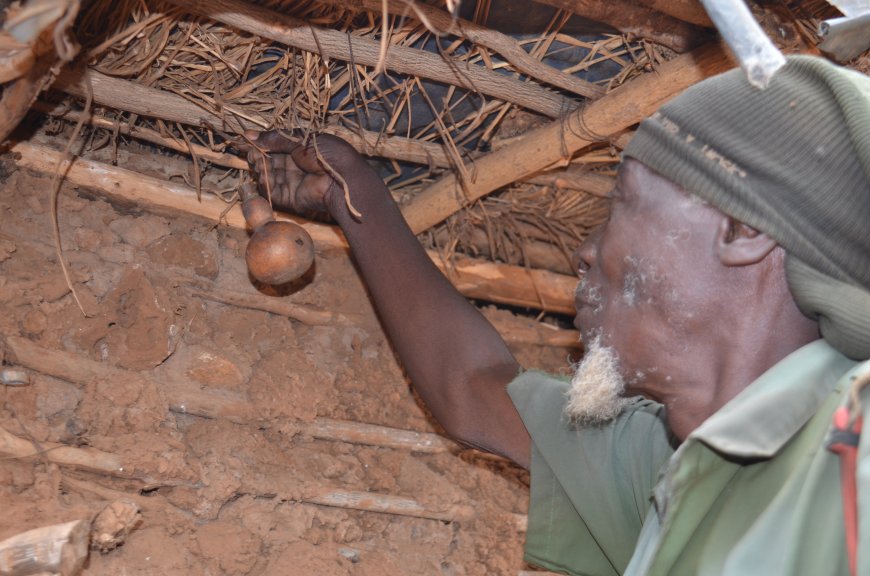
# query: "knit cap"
[[792, 160]]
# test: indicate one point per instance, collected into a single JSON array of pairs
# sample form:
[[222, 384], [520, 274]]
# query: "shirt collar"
[[762, 418]]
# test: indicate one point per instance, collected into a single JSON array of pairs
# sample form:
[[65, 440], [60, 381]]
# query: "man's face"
[[643, 278]]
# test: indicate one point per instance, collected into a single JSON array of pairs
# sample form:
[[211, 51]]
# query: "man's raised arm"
[[455, 359]]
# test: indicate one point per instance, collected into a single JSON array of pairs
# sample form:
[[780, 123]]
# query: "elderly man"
[[692, 438]]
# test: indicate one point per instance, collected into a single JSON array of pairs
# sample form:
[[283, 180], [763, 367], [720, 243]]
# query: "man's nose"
[[584, 256]]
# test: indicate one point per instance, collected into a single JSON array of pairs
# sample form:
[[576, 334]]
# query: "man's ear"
[[740, 245]]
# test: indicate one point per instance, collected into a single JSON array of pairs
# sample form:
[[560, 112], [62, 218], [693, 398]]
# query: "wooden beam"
[[146, 134], [690, 11], [155, 103], [404, 60], [558, 140], [636, 20], [508, 47], [398, 148], [515, 285]]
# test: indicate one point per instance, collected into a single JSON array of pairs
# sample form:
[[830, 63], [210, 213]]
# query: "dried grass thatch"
[[247, 80], [419, 90]]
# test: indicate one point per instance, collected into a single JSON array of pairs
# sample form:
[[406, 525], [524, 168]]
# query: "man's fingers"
[[283, 141], [306, 158]]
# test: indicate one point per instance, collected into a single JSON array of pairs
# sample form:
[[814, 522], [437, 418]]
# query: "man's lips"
[[582, 311]]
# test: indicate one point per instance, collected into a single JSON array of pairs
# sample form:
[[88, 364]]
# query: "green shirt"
[[752, 490]]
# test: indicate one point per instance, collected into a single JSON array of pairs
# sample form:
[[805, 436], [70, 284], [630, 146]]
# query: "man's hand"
[[299, 176]]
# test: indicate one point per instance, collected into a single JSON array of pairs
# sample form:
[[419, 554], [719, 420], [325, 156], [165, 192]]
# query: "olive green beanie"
[[792, 160]]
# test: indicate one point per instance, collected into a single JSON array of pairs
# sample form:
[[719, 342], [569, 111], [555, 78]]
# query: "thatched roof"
[[496, 126]]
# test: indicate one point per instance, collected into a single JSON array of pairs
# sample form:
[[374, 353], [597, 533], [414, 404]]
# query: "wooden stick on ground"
[[560, 139], [184, 398], [501, 283], [187, 399], [84, 458], [306, 314], [350, 48], [57, 550], [385, 503]]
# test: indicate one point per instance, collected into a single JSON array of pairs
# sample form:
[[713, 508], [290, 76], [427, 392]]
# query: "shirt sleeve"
[[591, 486]]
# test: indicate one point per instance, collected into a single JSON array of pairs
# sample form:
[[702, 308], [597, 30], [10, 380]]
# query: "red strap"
[[847, 449]]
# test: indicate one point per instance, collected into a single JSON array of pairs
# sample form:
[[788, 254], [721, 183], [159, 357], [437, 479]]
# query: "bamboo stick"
[[146, 101], [501, 283], [444, 22], [544, 146], [349, 48], [518, 332]]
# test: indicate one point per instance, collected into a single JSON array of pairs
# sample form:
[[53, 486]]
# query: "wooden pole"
[[510, 50], [539, 289], [636, 20], [350, 48], [687, 10], [152, 102], [560, 139], [146, 134], [174, 108]]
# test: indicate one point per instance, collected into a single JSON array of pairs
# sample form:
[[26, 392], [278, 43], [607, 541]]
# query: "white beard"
[[594, 396]]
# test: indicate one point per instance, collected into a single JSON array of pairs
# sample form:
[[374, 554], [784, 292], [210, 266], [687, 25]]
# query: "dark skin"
[[427, 320], [695, 303]]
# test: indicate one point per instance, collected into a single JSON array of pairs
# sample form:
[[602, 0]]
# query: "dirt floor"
[[231, 494]]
